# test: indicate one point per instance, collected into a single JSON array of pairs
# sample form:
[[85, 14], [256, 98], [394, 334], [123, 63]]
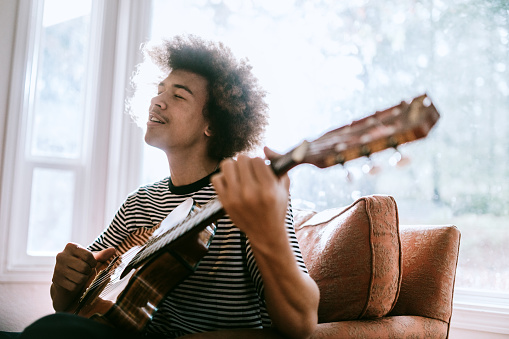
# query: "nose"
[[158, 101]]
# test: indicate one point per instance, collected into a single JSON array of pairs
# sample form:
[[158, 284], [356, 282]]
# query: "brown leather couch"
[[378, 279]]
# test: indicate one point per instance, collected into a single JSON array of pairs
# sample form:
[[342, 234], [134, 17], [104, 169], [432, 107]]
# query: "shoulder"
[[159, 188]]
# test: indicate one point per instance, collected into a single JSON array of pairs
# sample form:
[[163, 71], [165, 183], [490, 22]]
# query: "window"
[[327, 63], [51, 131], [56, 123], [63, 173]]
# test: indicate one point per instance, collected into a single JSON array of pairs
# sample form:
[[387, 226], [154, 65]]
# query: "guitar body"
[[130, 300]]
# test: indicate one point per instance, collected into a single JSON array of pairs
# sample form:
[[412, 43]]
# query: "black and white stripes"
[[225, 291]]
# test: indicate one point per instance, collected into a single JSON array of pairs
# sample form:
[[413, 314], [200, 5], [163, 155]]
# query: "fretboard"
[[198, 219]]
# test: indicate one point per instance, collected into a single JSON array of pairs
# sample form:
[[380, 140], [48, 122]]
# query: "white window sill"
[[26, 274], [481, 311]]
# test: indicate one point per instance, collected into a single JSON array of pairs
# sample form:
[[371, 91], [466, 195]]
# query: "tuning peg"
[[398, 159], [348, 175], [370, 168]]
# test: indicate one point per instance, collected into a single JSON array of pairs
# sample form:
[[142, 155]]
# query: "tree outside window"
[[326, 63]]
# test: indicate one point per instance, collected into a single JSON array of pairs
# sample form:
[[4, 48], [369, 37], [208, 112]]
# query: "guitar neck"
[[201, 216], [286, 162], [385, 129]]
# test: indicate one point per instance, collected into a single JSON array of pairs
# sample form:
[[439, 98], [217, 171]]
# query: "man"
[[252, 281]]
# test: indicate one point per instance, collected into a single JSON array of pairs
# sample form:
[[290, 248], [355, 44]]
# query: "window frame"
[[25, 163], [480, 310], [102, 181]]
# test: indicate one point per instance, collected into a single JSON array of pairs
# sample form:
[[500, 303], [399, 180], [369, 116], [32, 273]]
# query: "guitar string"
[[156, 242], [99, 280], [110, 285], [103, 276], [202, 213], [129, 255], [196, 217]]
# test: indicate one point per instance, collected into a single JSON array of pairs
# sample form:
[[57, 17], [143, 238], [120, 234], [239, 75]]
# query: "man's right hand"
[[73, 267]]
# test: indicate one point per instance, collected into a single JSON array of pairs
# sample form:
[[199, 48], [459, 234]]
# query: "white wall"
[[23, 303]]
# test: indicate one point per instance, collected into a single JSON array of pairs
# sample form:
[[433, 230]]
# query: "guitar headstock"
[[389, 128]]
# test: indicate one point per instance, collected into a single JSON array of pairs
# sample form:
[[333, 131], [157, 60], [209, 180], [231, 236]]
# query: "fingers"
[[270, 154], [104, 255], [252, 171], [229, 173], [73, 267], [244, 174], [255, 199], [81, 253], [247, 179], [70, 279], [249, 171]]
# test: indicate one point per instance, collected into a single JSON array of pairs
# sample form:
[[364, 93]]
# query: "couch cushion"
[[429, 260], [354, 255]]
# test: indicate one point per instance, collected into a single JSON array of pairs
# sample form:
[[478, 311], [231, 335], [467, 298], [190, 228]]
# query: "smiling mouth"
[[153, 118]]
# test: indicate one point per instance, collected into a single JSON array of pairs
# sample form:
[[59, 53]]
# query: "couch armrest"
[[414, 327], [429, 261]]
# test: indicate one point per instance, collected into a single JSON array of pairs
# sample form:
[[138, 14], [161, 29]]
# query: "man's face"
[[176, 122]]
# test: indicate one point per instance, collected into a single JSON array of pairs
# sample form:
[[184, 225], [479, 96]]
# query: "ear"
[[208, 132]]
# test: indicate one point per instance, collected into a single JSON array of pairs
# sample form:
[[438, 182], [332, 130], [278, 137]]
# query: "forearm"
[[257, 201], [291, 295]]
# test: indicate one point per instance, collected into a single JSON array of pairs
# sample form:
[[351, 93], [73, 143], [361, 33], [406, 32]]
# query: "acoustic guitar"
[[127, 290]]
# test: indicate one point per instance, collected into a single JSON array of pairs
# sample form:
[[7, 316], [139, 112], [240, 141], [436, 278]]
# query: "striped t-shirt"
[[226, 290]]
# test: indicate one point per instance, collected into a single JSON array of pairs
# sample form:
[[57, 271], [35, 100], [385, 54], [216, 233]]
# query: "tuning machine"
[[347, 175], [398, 159], [370, 167]]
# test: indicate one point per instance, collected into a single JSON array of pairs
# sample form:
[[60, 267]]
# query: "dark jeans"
[[67, 326]]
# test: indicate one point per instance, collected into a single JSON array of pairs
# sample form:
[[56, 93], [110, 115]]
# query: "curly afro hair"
[[236, 109]]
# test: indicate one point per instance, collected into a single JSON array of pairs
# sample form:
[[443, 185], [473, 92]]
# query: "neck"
[[186, 169]]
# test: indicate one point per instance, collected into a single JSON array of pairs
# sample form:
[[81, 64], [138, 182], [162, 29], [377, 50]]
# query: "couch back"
[[367, 266], [354, 255]]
